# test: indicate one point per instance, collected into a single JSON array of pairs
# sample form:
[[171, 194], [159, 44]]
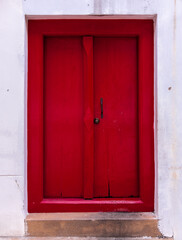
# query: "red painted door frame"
[[143, 31]]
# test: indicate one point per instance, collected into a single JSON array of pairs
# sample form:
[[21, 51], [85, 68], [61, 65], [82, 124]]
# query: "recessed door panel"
[[63, 117], [116, 136]]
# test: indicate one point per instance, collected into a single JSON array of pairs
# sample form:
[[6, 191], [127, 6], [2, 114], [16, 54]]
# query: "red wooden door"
[[91, 116]]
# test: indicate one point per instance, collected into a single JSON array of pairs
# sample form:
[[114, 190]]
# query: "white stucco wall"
[[12, 104], [168, 100]]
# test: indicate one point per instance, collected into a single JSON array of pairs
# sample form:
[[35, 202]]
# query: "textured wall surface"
[[168, 100], [12, 104]]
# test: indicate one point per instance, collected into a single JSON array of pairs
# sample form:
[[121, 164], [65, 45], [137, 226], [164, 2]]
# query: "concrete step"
[[77, 238], [97, 225]]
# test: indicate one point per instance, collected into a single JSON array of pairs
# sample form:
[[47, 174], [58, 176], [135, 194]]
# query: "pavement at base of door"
[[77, 238]]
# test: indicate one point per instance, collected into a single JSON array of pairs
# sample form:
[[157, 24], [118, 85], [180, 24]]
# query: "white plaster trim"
[[93, 16]]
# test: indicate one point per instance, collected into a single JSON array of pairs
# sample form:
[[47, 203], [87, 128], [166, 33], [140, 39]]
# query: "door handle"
[[101, 106], [96, 120]]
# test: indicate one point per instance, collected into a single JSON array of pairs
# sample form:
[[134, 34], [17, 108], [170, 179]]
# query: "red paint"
[[63, 117], [115, 80], [71, 65], [88, 102]]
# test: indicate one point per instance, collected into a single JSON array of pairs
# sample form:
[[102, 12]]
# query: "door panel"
[[116, 136], [63, 117]]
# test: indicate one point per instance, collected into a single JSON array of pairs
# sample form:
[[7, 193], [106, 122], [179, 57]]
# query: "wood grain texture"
[[88, 118]]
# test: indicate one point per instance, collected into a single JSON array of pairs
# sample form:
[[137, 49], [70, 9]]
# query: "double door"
[[91, 117]]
